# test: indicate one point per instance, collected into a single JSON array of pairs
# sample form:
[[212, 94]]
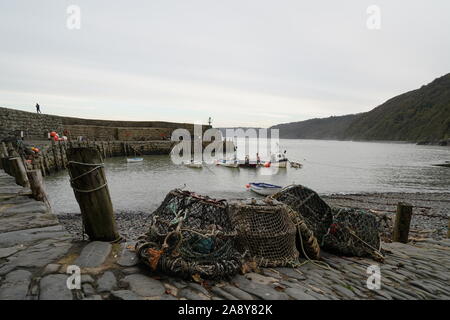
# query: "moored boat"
[[229, 164], [264, 189], [132, 160], [193, 164], [278, 160]]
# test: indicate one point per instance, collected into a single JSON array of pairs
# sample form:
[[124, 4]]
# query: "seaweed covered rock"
[[190, 236]]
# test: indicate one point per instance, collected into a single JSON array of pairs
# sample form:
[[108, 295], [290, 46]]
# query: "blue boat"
[[264, 189]]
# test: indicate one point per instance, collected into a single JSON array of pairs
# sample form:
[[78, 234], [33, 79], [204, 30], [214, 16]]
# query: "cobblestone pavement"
[[36, 251]]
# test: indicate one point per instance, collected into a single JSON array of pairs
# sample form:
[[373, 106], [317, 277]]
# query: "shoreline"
[[36, 252], [431, 213]]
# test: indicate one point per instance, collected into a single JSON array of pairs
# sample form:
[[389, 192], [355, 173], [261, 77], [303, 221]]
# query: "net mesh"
[[307, 203], [190, 235], [354, 232], [265, 232], [306, 242]]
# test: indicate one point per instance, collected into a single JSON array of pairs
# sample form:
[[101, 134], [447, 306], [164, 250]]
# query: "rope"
[[96, 167], [320, 264]]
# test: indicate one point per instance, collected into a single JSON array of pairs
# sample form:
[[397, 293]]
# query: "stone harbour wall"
[[37, 126]]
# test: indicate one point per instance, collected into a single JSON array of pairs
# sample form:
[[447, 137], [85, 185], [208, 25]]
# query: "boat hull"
[[279, 164], [133, 160], [195, 165], [228, 164], [264, 190]]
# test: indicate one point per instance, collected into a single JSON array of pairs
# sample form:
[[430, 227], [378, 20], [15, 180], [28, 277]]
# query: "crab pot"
[[265, 232], [316, 212]]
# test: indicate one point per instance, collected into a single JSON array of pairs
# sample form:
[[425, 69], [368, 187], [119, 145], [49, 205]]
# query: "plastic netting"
[[315, 211], [190, 235], [265, 232], [354, 232]]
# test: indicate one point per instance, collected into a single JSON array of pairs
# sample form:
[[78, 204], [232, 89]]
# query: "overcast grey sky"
[[250, 63]]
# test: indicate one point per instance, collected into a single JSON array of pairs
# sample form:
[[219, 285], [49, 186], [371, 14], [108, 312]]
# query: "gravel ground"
[[431, 214], [431, 211]]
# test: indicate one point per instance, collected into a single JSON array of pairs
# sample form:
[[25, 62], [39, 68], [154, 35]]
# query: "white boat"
[[229, 164], [264, 189], [130, 160], [278, 160], [193, 164]]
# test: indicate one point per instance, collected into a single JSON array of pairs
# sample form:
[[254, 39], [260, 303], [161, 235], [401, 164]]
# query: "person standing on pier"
[[38, 108]]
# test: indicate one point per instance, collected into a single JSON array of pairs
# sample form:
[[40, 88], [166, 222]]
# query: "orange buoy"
[[53, 133], [247, 185], [267, 164]]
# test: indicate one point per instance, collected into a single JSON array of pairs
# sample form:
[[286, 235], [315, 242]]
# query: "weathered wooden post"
[[61, 154], [448, 229], [46, 165], [11, 150], [6, 166], [37, 186], [4, 150], [55, 158], [18, 170], [89, 184], [402, 222]]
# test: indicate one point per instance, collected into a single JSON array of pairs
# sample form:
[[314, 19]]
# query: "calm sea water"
[[328, 167]]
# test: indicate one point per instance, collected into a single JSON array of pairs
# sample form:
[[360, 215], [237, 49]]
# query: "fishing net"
[[315, 212], [265, 232], [354, 232], [190, 236], [306, 242]]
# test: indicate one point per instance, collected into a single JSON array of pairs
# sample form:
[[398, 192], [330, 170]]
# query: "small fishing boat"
[[132, 160], [278, 160], [193, 164], [229, 164], [264, 189], [295, 165]]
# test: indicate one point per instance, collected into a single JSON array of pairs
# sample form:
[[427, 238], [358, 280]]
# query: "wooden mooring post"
[[89, 184], [448, 229], [402, 222], [37, 186], [6, 166], [4, 150], [18, 171], [61, 154], [55, 158]]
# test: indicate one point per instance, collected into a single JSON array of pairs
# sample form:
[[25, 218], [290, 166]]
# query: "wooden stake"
[[92, 193], [402, 222], [6, 166], [61, 154], [37, 186], [448, 229], [19, 172], [46, 165], [55, 158], [4, 151]]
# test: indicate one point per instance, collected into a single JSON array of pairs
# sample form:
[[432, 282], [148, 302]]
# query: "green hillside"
[[422, 114], [331, 128], [418, 115]]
